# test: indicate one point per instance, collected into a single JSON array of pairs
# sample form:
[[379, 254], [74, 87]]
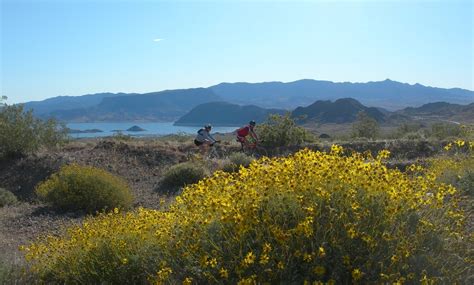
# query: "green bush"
[[21, 133], [181, 174], [239, 158], [7, 198], [85, 188], [235, 160], [281, 130]]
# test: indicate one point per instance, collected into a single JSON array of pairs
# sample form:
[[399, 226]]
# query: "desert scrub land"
[[352, 213]]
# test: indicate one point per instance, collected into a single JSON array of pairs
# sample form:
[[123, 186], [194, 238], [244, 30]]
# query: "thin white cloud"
[[157, 40]]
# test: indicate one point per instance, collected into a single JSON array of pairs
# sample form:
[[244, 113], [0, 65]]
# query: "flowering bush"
[[85, 188], [456, 166], [310, 217]]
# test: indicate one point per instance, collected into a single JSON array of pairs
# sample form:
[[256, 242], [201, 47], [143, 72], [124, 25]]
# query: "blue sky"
[[52, 48]]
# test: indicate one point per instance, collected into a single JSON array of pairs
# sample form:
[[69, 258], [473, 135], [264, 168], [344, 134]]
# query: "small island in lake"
[[135, 129], [89, 131]]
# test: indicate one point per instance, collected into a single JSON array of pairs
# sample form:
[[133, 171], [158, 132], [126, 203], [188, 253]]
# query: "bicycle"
[[215, 151], [254, 149]]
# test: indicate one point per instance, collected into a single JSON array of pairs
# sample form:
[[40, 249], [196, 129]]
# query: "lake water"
[[152, 129]]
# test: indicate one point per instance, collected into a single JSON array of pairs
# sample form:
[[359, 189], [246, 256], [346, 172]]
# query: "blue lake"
[[151, 129]]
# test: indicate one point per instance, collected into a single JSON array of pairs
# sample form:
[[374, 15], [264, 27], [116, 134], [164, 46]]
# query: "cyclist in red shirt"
[[247, 132]]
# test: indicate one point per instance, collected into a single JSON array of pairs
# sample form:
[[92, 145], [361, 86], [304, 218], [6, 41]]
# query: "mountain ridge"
[[387, 94], [340, 111]]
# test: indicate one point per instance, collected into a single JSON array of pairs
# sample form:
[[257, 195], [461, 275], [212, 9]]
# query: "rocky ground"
[[140, 162]]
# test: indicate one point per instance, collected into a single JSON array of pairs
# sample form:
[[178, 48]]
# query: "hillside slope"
[[225, 114], [157, 106], [341, 111]]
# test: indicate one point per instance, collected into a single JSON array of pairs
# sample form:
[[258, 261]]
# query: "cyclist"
[[247, 132], [204, 140]]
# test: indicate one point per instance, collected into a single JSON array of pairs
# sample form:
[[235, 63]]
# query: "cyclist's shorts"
[[197, 143]]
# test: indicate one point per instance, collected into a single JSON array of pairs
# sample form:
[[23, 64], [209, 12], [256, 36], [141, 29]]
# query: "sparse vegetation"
[[282, 130], [446, 131], [120, 136], [21, 133], [410, 131], [14, 274], [182, 174], [365, 126], [7, 198], [85, 188]]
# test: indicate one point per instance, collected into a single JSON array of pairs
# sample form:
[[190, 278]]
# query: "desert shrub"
[[182, 174], [282, 130], [365, 126], [85, 188], [7, 198], [235, 160], [228, 166], [239, 158], [21, 133], [313, 216]]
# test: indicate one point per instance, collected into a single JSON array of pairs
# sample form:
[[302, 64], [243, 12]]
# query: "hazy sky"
[[52, 48]]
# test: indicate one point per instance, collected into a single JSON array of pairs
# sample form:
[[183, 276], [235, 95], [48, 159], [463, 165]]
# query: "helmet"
[[252, 123], [208, 126]]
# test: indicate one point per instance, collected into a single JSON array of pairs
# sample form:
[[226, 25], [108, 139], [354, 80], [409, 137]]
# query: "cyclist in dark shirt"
[[204, 139]]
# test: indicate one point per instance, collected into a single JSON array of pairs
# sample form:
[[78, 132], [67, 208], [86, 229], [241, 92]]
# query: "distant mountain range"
[[341, 111], [157, 106], [170, 105], [388, 94]]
